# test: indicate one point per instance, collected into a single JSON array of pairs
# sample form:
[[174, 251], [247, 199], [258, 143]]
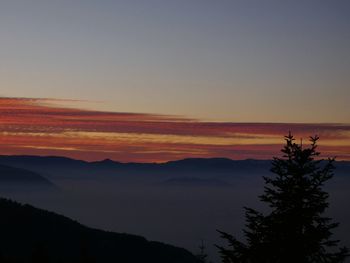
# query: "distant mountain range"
[[212, 170], [33, 235], [125, 195], [221, 165]]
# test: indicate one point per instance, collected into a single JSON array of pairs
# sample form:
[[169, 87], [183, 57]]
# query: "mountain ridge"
[[26, 229], [53, 164]]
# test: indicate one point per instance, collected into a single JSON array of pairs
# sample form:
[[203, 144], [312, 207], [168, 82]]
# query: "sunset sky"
[[158, 80], [41, 127]]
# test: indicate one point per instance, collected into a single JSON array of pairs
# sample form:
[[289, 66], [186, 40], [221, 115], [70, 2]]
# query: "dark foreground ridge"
[[33, 235]]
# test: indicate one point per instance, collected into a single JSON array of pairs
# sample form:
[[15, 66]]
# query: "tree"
[[295, 229], [202, 256]]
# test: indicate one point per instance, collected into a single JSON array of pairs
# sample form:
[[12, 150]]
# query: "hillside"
[[18, 178], [29, 234]]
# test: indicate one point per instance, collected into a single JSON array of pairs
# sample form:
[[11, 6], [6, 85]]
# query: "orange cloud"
[[43, 127]]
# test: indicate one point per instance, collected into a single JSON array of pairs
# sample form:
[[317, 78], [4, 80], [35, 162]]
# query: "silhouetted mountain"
[[106, 162], [161, 201], [218, 165], [31, 233], [18, 178], [209, 168], [190, 163], [195, 162], [28, 161]]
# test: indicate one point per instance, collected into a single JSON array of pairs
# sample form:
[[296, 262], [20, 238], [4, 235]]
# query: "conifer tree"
[[202, 256], [295, 229]]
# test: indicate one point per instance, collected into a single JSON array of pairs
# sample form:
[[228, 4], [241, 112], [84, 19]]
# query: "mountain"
[[204, 164], [218, 165], [163, 201], [29, 234], [15, 177], [222, 169]]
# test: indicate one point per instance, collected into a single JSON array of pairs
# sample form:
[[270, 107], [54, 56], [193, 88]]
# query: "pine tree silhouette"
[[202, 256], [295, 230]]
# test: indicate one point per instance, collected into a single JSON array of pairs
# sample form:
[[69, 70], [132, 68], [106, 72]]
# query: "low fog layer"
[[180, 207]]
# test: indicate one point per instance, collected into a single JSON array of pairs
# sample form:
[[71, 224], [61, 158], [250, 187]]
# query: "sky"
[[189, 65], [43, 127]]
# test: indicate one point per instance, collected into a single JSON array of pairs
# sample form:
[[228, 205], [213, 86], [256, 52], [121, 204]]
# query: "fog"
[[181, 213]]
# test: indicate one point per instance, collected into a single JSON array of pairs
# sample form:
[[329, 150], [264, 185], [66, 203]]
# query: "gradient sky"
[[233, 61], [158, 80]]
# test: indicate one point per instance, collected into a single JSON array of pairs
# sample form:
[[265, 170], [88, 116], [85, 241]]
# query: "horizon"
[[155, 81], [34, 126], [165, 162], [171, 120]]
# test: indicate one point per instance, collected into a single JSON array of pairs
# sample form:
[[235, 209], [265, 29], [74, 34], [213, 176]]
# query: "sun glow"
[[35, 126]]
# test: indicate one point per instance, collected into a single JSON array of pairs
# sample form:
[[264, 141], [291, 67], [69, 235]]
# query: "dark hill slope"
[[29, 234], [22, 177]]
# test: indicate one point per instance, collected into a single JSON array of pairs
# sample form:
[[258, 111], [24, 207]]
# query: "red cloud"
[[36, 126]]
